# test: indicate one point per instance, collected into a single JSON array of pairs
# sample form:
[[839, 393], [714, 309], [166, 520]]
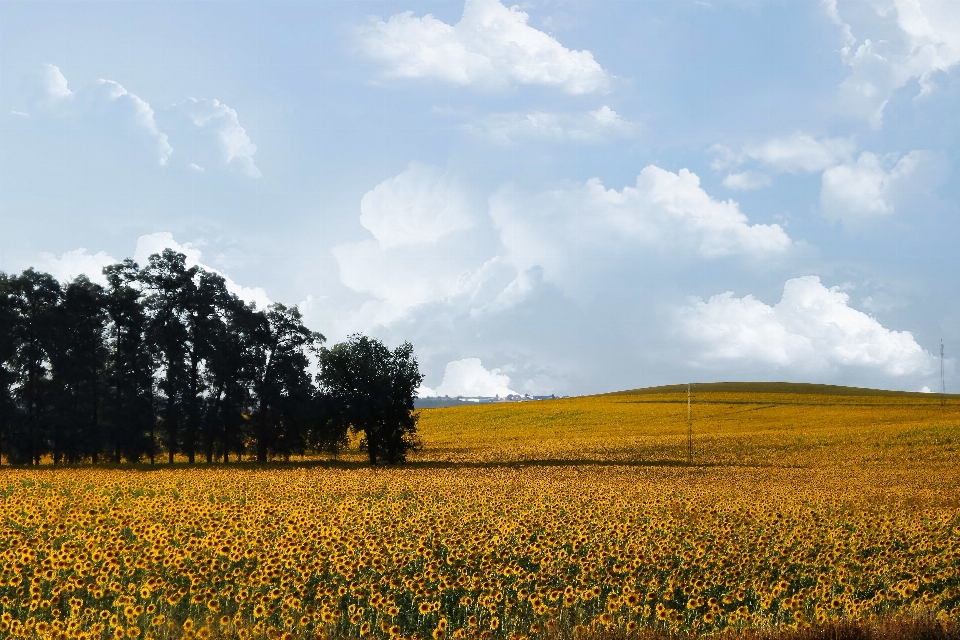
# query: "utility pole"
[[943, 383], [689, 427]]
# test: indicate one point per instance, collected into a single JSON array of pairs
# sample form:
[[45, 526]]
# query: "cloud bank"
[[435, 242], [812, 333]]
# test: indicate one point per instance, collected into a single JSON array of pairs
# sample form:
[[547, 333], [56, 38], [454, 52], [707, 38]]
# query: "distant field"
[[571, 516]]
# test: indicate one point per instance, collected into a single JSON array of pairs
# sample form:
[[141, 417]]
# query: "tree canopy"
[[164, 360], [373, 389]]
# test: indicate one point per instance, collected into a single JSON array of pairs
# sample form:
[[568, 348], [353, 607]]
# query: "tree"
[[130, 415], [231, 371], [79, 361], [171, 287], [283, 389], [9, 411], [373, 389], [34, 298]]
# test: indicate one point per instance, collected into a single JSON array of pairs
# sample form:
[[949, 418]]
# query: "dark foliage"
[[165, 360], [373, 389]]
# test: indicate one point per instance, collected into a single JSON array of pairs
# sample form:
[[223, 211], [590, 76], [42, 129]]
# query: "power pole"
[[689, 427]]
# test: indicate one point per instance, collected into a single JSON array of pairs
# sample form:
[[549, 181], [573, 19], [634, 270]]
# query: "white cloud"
[[53, 85], [469, 378], [196, 167], [801, 152], [432, 245], [491, 46], [908, 40], [142, 113], [569, 231], [429, 244], [795, 153], [73, 263], [53, 96], [421, 205], [235, 145], [870, 187], [746, 181], [590, 127], [156, 242], [811, 331]]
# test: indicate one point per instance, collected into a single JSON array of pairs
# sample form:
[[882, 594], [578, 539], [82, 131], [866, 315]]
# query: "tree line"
[[165, 361]]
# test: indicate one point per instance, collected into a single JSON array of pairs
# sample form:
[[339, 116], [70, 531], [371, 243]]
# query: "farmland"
[[802, 506]]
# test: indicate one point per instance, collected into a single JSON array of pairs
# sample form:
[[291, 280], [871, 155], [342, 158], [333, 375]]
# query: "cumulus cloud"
[[491, 46], [589, 127], [873, 185], [425, 246], [432, 244], [469, 378], [51, 93], [908, 40], [235, 145], [77, 262], [566, 231], [49, 86], [795, 153], [156, 242], [421, 205], [812, 331], [143, 115]]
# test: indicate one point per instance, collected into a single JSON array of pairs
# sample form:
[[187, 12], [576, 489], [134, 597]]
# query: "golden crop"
[[515, 520]]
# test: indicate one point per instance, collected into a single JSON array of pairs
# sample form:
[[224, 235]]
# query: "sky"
[[555, 197]]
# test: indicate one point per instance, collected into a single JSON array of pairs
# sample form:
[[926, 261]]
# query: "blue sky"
[[556, 197]]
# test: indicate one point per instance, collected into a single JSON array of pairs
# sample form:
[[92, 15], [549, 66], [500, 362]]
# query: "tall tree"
[[79, 362], [227, 349], [34, 300], [171, 286], [9, 411], [130, 409], [374, 390], [283, 389]]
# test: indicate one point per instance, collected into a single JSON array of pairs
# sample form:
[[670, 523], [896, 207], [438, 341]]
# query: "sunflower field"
[[521, 520]]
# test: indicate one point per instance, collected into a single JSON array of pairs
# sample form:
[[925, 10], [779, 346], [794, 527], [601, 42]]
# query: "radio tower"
[[943, 383]]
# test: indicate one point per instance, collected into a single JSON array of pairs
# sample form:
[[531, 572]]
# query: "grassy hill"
[[772, 387]]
